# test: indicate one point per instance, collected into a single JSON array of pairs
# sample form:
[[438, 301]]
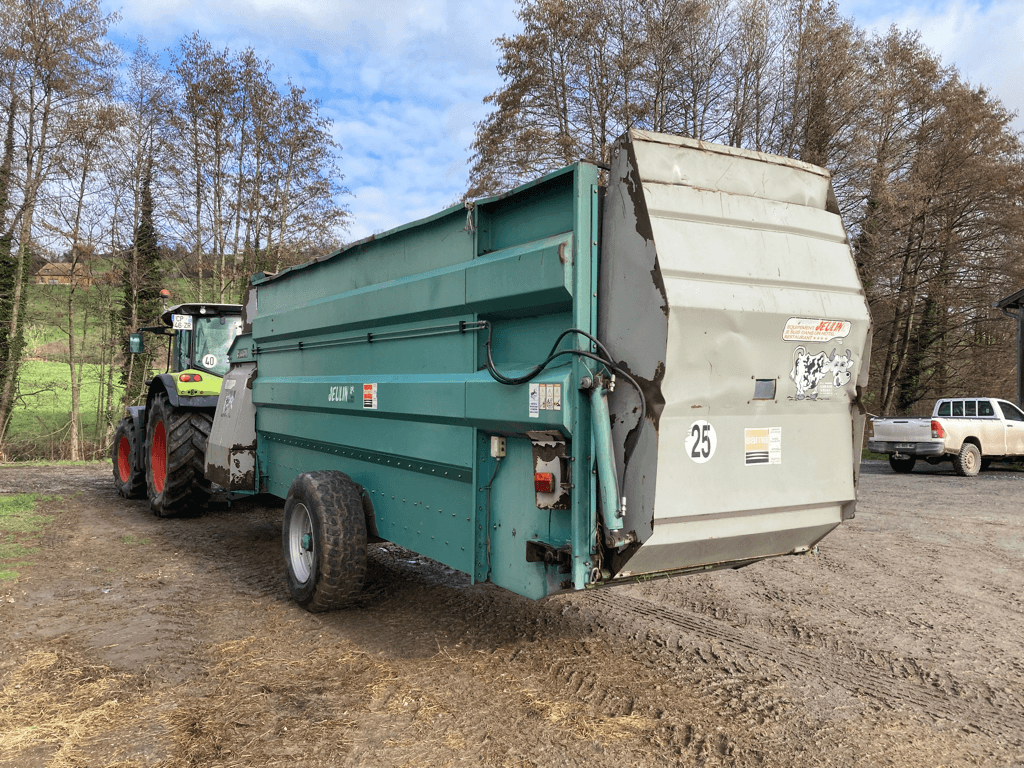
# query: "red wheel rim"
[[159, 458], [124, 464]]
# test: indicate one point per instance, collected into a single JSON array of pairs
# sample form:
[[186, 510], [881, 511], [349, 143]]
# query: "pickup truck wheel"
[[902, 465], [129, 477], [176, 451], [324, 539], [968, 462]]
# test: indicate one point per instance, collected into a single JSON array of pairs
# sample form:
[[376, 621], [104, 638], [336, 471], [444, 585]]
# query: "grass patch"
[[20, 528], [133, 541], [866, 454]]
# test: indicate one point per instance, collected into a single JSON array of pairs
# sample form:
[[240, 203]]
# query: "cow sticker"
[[817, 375]]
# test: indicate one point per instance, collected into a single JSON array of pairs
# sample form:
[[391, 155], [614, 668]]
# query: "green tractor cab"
[[159, 449]]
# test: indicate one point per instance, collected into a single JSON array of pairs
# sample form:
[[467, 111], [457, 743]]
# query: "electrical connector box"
[[497, 447]]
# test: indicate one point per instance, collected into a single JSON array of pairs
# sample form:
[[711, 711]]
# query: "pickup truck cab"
[[969, 431]]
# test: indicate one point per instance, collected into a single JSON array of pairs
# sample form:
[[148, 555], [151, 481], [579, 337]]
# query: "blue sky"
[[404, 80]]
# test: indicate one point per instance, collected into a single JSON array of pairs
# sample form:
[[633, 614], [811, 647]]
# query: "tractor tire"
[[902, 466], [129, 479], [176, 452], [968, 462], [324, 539]]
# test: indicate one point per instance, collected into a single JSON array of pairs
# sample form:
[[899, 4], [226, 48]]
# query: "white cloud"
[[404, 80]]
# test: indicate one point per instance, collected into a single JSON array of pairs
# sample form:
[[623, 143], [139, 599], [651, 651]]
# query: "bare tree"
[[55, 58], [927, 170]]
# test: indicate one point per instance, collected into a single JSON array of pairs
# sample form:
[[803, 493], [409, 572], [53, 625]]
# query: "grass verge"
[[20, 528]]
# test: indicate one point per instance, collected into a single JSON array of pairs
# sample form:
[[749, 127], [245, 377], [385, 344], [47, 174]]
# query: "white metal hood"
[[728, 289]]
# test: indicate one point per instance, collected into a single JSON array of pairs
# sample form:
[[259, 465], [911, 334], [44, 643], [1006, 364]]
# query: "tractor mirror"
[[135, 343]]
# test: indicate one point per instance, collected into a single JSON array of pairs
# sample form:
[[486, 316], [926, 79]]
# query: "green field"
[[43, 413]]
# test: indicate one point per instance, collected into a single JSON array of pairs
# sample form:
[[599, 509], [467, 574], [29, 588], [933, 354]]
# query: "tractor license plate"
[[905, 446]]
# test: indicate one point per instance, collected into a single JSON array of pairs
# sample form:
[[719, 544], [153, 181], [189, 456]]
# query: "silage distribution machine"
[[159, 449], [600, 376]]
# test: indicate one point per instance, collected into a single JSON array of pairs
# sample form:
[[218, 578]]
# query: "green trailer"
[[601, 376]]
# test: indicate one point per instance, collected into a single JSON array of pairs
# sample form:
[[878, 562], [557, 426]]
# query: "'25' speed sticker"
[[701, 441]]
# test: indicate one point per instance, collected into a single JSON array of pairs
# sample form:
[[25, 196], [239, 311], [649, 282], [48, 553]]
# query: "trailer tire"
[[176, 452], [129, 478], [324, 540], [902, 466], [968, 462]]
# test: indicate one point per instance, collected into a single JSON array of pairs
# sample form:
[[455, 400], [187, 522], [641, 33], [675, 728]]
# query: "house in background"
[[60, 273]]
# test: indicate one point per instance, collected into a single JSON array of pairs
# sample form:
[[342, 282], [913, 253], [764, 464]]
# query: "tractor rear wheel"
[[176, 452], [129, 477], [324, 538]]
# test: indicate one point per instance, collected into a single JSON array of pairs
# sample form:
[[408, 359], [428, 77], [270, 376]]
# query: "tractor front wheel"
[[176, 452]]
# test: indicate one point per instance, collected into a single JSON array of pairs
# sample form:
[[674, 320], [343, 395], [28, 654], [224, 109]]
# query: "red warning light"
[[544, 482]]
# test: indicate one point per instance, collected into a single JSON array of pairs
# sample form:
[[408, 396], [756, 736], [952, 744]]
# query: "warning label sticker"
[[545, 397], [370, 396], [821, 331], [762, 445]]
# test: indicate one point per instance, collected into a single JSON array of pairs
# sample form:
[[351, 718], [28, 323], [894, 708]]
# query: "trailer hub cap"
[[301, 551]]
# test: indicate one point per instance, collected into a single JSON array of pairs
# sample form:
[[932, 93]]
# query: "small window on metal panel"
[[970, 407], [985, 408], [764, 389], [958, 407], [944, 408]]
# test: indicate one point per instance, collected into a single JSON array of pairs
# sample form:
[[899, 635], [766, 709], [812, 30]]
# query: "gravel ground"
[[135, 641]]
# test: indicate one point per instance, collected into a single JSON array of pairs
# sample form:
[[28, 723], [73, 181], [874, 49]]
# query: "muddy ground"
[[134, 641]]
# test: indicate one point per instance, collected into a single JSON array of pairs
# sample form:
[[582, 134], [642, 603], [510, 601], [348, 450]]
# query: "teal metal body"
[[373, 362], [727, 305]]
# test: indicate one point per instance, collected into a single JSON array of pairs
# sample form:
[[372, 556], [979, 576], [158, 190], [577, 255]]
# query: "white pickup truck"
[[970, 431]]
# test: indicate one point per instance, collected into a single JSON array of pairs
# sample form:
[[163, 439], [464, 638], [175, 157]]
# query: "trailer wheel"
[[968, 462], [902, 465], [324, 538], [176, 450], [129, 478]]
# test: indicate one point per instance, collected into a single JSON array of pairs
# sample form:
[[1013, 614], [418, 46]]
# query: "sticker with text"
[[762, 445], [181, 322], [701, 441], [820, 331], [342, 394], [370, 396]]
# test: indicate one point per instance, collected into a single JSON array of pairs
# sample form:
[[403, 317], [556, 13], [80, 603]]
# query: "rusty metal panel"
[[231, 449], [728, 289]]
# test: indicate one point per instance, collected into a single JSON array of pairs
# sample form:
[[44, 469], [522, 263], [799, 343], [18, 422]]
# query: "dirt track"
[[135, 641]]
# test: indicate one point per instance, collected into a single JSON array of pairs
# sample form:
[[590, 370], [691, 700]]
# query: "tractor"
[[159, 449]]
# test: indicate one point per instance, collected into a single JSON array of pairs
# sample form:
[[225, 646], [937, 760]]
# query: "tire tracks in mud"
[[894, 683]]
